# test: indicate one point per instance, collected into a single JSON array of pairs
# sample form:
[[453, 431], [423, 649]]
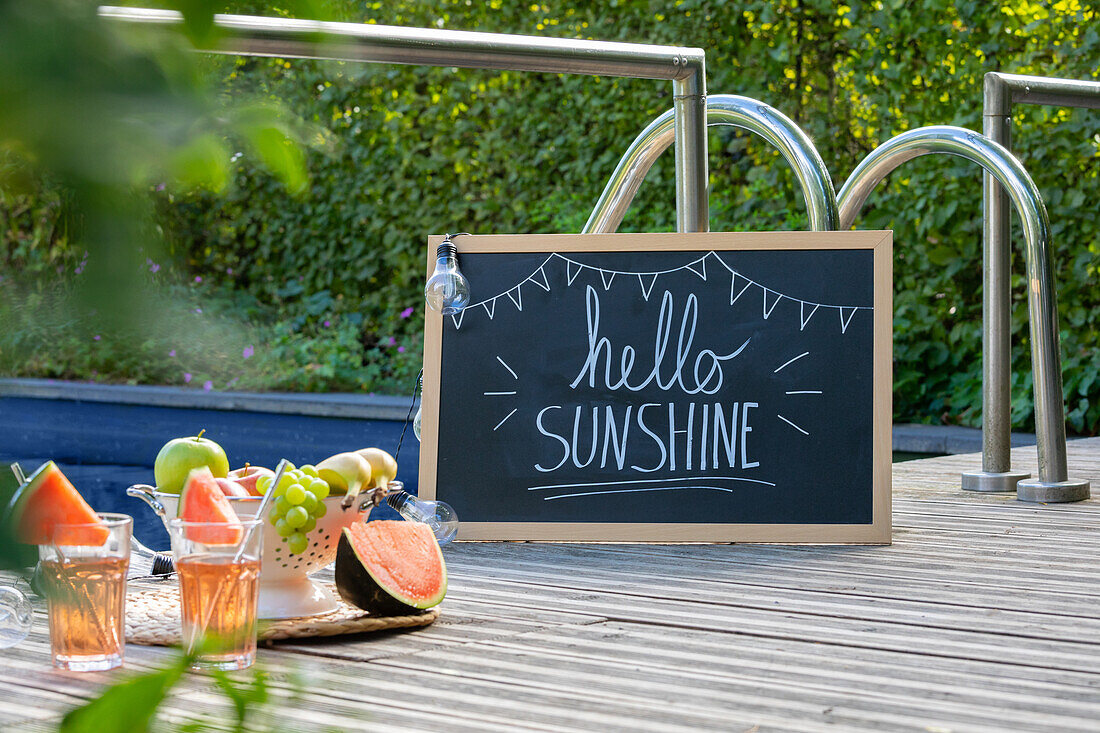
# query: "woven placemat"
[[153, 619]]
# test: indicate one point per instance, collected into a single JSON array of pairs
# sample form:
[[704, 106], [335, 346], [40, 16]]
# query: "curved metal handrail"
[[722, 109], [1042, 302]]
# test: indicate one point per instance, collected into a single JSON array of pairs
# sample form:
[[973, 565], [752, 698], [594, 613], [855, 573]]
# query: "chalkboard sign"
[[664, 387]]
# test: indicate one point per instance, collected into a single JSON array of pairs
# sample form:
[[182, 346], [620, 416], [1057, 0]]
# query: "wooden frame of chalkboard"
[[775, 348]]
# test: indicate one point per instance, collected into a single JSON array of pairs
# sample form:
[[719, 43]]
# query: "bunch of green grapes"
[[297, 504]]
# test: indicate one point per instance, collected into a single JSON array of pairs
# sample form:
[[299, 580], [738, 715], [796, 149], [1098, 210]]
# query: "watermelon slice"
[[390, 567], [202, 500], [47, 508]]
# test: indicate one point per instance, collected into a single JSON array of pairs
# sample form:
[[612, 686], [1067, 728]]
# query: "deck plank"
[[984, 614]]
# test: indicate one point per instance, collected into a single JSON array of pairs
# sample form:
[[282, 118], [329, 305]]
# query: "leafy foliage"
[[87, 119], [127, 706], [86, 128], [130, 705], [399, 152]]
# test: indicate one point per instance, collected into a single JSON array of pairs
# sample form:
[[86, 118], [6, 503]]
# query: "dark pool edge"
[[340, 404], [945, 439], [907, 438]]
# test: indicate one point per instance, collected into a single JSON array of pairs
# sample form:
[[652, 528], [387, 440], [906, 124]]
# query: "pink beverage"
[[220, 595], [85, 590], [219, 570], [87, 601]]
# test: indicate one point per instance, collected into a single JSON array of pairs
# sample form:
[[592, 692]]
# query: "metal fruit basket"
[[286, 590]]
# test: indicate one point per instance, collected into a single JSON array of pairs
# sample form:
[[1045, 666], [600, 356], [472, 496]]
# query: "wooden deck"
[[983, 615]]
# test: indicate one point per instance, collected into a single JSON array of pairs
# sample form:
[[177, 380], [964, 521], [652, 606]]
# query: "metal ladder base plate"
[[1001, 481], [1053, 493]]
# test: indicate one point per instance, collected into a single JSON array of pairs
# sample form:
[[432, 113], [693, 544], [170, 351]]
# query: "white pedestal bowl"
[[286, 590]]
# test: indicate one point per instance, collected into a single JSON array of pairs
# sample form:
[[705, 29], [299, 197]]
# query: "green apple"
[[178, 457]]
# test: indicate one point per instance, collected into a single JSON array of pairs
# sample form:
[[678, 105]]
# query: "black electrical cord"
[[418, 387]]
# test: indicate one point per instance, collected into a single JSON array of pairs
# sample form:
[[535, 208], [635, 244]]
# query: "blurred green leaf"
[[281, 155], [198, 20], [128, 706], [202, 163], [13, 555], [245, 696]]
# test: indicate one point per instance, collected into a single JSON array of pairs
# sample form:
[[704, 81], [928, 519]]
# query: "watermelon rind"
[[22, 495], [358, 585]]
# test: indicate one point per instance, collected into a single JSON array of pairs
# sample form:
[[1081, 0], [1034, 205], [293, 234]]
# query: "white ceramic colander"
[[286, 590]]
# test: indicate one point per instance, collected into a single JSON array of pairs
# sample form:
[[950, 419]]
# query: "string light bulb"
[[447, 290], [438, 515]]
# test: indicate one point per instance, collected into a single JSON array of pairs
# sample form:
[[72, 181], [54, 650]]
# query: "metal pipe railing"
[[1001, 92], [1004, 90], [722, 109], [291, 38], [1053, 484], [685, 127]]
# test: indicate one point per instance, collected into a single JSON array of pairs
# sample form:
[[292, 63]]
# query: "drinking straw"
[[99, 625], [267, 497]]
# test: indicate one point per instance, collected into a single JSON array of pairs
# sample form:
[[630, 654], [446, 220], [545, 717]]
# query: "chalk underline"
[[650, 481], [628, 491]]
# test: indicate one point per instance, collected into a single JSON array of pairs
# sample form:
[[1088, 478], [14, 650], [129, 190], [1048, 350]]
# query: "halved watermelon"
[[47, 508], [390, 567], [202, 500]]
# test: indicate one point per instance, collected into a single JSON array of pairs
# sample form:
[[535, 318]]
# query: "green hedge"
[[399, 152]]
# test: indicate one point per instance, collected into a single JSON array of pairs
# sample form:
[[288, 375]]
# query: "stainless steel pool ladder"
[[826, 212]]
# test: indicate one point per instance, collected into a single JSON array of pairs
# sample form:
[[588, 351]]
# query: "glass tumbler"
[[85, 587], [219, 573]]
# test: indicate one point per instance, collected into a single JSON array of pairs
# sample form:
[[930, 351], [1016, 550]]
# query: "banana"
[[345, 473], [383, 466]]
